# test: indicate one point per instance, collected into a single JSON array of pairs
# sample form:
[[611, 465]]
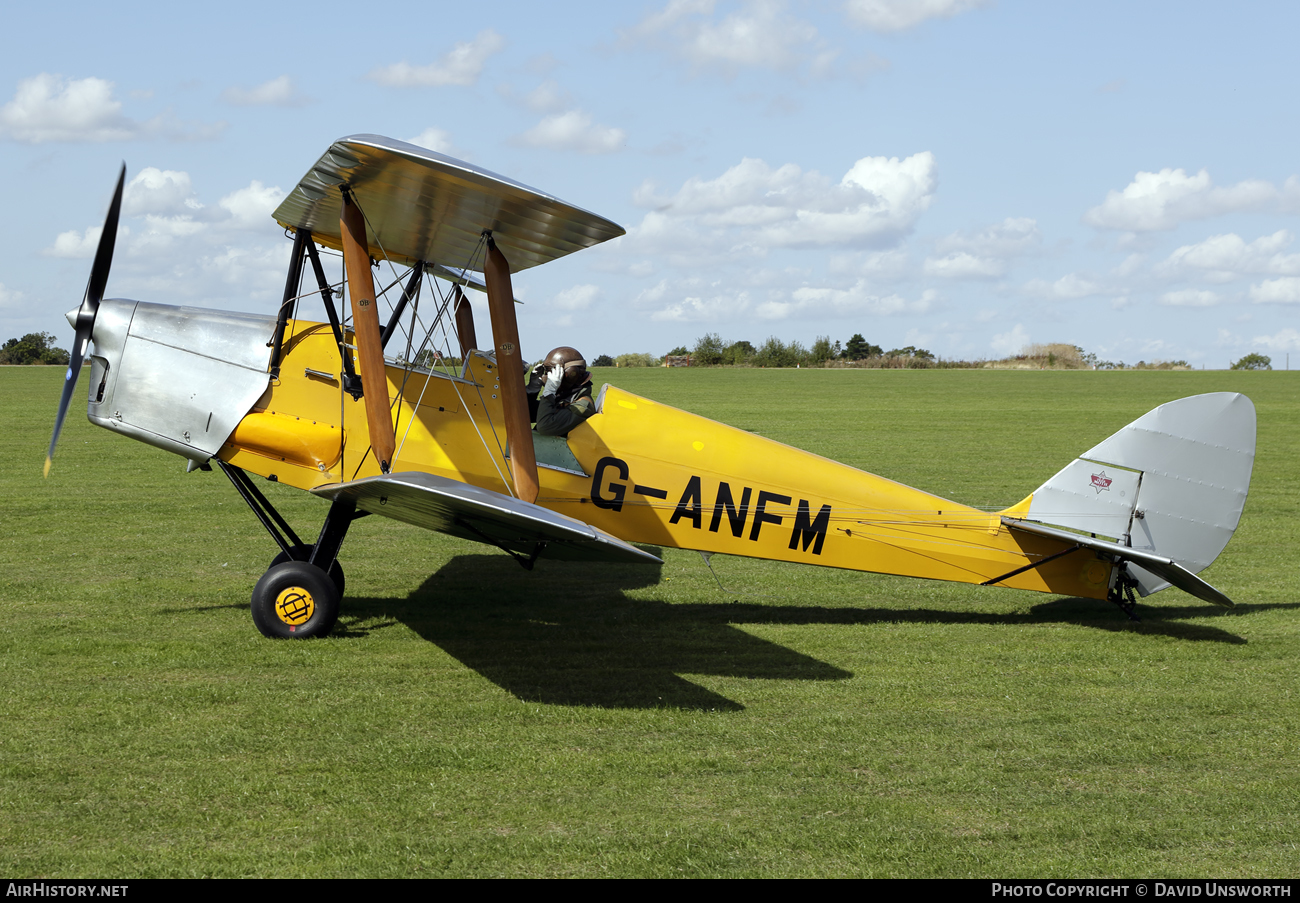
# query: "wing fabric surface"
[[448, 506], [423, 205]]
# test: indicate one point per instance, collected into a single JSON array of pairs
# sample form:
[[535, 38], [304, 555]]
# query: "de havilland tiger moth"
[[326, 408]]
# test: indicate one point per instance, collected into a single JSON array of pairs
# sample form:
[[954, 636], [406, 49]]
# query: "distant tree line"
[[711, 350], [33, 348], [1254, 361]]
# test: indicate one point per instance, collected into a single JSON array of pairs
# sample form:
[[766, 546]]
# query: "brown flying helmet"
[[571, 361]]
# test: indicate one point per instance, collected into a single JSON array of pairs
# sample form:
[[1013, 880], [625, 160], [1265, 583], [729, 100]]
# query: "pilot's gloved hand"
[[553, 378], [537, 379]]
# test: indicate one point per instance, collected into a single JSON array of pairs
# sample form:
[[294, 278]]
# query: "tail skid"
[[1167, 490]]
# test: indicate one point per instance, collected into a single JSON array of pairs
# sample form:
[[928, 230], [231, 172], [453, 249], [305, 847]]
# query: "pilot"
[[559, 392]]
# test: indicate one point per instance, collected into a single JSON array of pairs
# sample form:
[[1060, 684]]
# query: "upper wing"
[[449, 506], [422, 205]]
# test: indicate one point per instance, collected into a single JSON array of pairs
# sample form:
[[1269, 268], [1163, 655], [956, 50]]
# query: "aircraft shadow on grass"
[[569, 634]]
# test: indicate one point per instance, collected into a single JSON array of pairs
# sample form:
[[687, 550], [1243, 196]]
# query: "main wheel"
[[295, 600], [302, 553]]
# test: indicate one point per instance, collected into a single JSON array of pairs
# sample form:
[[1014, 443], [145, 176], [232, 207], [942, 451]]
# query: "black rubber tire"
[[295, 600], [302, 553]]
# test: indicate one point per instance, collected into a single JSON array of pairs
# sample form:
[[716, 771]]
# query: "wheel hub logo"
[[294, 606]]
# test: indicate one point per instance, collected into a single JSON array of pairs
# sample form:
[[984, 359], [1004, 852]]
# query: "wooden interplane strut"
[[365, 323], [510, 372], [464, 323]]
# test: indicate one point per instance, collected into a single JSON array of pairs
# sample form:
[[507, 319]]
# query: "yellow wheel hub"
[[294, 606]]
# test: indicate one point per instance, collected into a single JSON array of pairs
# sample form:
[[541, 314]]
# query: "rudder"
[[1173, 483]]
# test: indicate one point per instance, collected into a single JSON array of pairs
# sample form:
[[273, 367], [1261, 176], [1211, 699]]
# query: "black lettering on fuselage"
[[617, 491], [809, 530], [760, 512], [736, 518], [695, 509]]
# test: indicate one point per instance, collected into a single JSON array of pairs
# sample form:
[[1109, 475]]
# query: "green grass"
[[472, 719]]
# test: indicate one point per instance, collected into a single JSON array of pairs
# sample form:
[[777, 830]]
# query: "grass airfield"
[[468, 718]]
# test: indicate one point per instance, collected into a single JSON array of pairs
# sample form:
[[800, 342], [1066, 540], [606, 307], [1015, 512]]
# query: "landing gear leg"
[[1123, 594], [299, 595]]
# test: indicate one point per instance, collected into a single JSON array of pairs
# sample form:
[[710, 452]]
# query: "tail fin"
[[1172, 483]]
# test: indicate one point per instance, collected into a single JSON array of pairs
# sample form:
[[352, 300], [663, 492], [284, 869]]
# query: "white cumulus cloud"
[[462, 65], [964, 265], [51, 108], [1068, 287], [753, 208], [163, 192], [1190, 298], [578, 297], [251, 207], [80, 245], [167, 221], [10, 299], [1291, 195], [1223, 257], [260, 266], [1156, 201], [857, 300], [693, 300], [574, 131], [889, 265], [1009, 238], [1005, 343], [898, 15], [159, 235], [759, 34], [548, 97], [1277, 291], [278, 92], [435, 140], [1284, 340]]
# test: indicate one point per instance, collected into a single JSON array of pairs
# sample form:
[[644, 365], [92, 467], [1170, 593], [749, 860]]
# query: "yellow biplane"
[[330, 408]]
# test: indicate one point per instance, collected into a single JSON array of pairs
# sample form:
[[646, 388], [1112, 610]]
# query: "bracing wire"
[[480, 249]]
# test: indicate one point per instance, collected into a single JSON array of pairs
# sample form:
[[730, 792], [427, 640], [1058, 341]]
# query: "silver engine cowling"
[[177, 378]]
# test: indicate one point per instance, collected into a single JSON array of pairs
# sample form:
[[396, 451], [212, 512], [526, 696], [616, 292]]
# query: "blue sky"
[[963, 176]]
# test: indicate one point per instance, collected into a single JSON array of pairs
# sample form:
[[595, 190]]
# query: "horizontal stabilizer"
[[1166, 569], [448, 506]]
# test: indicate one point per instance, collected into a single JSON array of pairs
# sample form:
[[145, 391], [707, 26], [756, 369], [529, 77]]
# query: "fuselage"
[[639, 470]]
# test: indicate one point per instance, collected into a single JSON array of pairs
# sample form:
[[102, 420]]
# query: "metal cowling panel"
[[182, 378]]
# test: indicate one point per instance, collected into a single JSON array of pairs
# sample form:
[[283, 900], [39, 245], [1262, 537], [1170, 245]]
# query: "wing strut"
[[365, 321], [510, 369], [464, 323], [410, 293], [291, 284], [351, 384]]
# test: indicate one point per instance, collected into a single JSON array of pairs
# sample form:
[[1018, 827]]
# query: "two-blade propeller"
[[89, 308]]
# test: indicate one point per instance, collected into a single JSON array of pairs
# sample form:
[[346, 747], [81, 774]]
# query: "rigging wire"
[[479, 249]]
